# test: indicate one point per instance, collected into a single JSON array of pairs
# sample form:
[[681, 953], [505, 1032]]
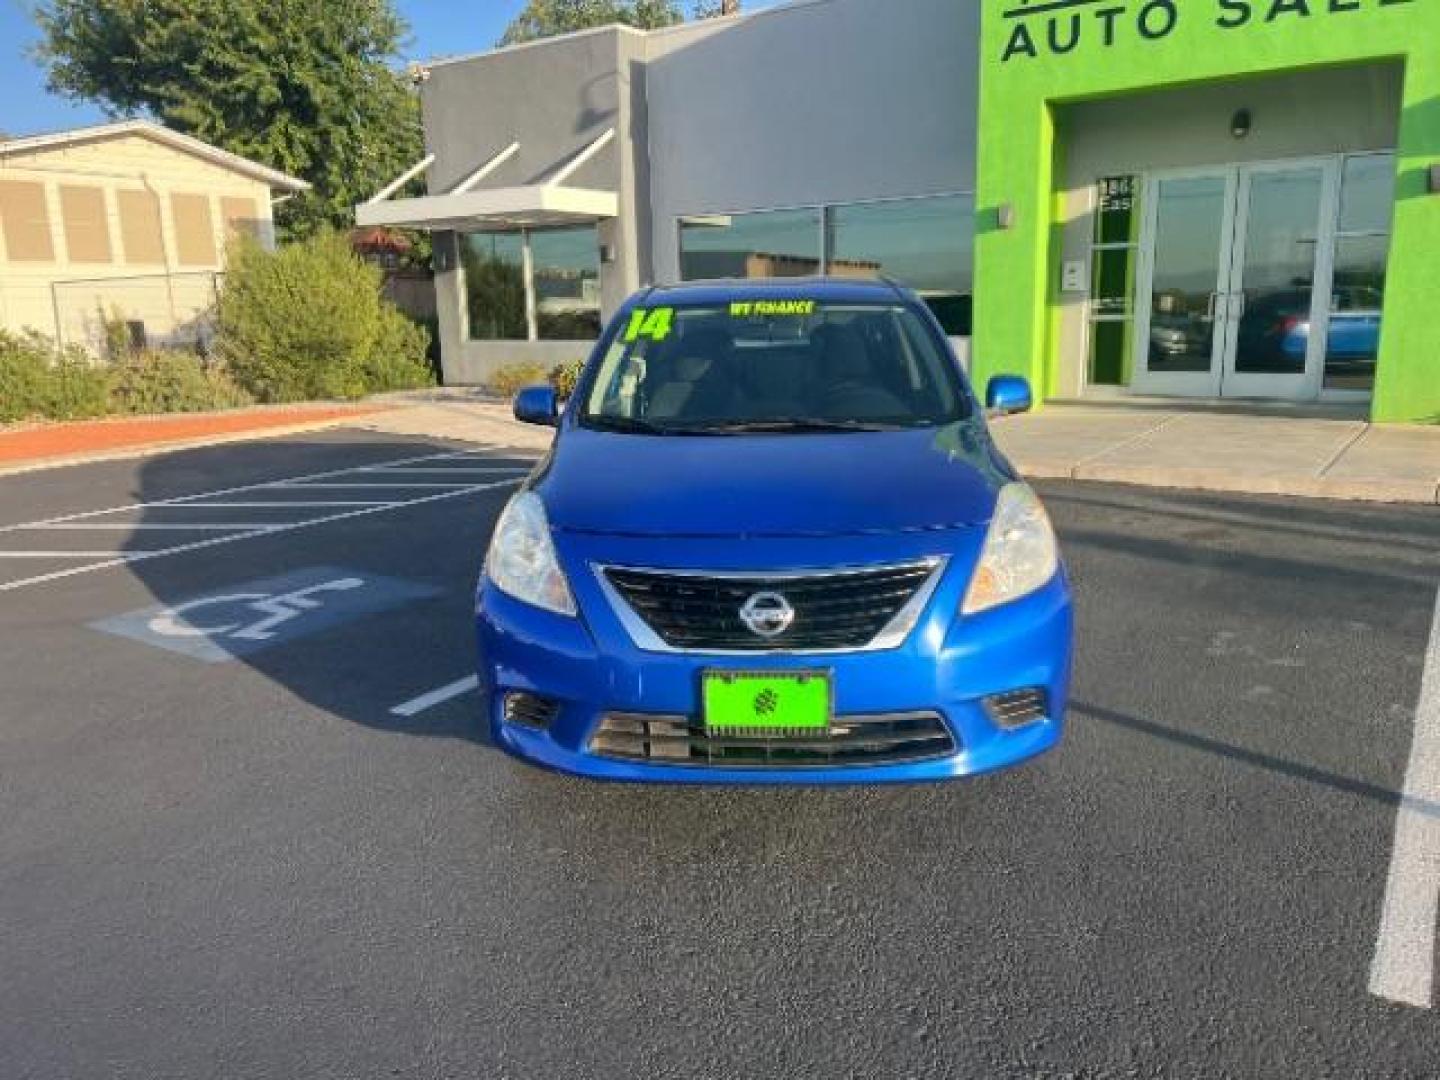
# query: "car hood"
[[772, 485]]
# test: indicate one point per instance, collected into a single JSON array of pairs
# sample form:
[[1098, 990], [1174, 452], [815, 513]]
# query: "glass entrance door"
[[1235, 281], [1185, 256]]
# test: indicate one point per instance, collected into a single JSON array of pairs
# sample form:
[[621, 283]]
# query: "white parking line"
[[465, 470], [134, 526], [401, 485], [280, 504], [69, 555], [1403, 969], [269, 530], [448, 692], [185, 500]]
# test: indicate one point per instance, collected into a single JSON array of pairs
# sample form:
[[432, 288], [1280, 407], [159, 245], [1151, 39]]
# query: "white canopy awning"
[[534, 206]]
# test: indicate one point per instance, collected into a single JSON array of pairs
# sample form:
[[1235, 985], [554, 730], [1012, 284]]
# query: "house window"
[[194, 231], [87, 227], [926, 244], [140, 233], [559, 300], [25, 221], [240, 216], [1362, 246]]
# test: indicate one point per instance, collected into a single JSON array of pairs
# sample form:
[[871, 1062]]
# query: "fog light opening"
[[530, 710], [1016, 708]]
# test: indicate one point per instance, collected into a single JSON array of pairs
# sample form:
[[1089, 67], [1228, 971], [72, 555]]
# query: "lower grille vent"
[[858, 740]]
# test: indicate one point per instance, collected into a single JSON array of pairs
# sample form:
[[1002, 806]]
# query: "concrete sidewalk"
[[1223, 451], [1172, 448]]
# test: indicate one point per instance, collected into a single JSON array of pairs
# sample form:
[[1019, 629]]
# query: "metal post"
[[527, 269]]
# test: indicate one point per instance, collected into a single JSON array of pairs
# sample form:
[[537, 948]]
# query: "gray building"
[[823, 136], [1202, 204]]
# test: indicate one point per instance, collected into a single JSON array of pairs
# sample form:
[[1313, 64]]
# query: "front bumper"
[[590, 667]]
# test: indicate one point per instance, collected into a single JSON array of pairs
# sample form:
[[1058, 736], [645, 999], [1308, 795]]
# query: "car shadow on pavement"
[[352, 615], [1297, 769]]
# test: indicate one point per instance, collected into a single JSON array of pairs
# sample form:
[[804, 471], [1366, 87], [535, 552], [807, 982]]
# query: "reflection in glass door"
[[1235, 272], [1185, 250], [1271, 300]]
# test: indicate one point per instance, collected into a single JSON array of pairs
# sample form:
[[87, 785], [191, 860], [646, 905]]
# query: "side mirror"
[[537, 405], [1006, 395]]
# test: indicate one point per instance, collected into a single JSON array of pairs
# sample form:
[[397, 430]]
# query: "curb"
[[1379, 490]]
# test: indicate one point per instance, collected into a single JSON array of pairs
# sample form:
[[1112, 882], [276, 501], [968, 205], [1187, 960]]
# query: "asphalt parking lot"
[[248, 826]]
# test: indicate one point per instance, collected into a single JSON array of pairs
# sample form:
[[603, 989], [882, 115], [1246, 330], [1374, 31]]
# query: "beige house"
[[127, 220]]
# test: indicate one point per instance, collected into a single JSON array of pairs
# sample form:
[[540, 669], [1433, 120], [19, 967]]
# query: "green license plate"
[[766, 703]]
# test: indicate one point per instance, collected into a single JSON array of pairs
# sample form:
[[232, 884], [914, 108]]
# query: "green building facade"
[[1224, 198]]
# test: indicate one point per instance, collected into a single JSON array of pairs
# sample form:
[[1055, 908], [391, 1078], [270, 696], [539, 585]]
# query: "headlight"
[[522, 560], [1020, 552]]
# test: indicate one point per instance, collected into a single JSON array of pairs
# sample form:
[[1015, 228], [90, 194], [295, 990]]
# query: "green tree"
[[546, 18], [309, 87]]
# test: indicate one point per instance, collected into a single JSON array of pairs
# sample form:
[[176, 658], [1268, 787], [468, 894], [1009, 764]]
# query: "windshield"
[[790, 366]]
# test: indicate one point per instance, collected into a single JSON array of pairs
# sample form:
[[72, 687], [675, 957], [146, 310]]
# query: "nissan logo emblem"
[[767, 614]]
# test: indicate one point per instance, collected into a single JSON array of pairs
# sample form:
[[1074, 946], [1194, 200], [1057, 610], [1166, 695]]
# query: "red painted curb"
[[36, 444]]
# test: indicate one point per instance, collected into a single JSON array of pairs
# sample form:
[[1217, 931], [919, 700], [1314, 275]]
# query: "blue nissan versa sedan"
[[773, 542]]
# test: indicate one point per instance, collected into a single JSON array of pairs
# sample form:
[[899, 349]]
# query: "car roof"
[[833, 290]]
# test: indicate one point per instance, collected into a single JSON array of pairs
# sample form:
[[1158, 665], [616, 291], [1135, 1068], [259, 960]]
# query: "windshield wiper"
[[785, 424], [626, 425]]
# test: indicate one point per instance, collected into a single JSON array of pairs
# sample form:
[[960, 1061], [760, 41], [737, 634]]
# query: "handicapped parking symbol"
[[250, 616], [275, 611]]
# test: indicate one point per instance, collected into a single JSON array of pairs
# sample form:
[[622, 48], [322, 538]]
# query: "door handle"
[[1210, 306]]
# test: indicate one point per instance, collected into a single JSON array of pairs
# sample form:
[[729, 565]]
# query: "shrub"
[[156, 381], [401, 357], [37, 380], [512, 378], [79, 389], [563, 378], [308, 321], [24, 375]]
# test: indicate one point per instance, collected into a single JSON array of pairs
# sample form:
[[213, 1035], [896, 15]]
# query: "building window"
[[240, 217], [560, 301], [1114, 250], [25, 221], [87, 226], [926, 244], [770, 243], [567, 284], [194, 230], [1362, 246], [495, 285], [140, 233]]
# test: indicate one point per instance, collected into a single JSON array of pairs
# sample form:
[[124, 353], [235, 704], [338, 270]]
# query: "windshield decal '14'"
[[652, 323]]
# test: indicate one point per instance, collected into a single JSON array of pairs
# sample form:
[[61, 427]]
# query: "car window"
[[786, 365]]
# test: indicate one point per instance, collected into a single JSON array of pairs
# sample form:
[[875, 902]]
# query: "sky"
[[437, 28]]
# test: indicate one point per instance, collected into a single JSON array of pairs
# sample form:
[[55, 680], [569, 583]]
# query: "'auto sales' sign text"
[[1055, 27]]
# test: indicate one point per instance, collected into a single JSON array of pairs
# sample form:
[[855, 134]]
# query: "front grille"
[[1016, 708], [854, 740], [530, 710], [845, 609]]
